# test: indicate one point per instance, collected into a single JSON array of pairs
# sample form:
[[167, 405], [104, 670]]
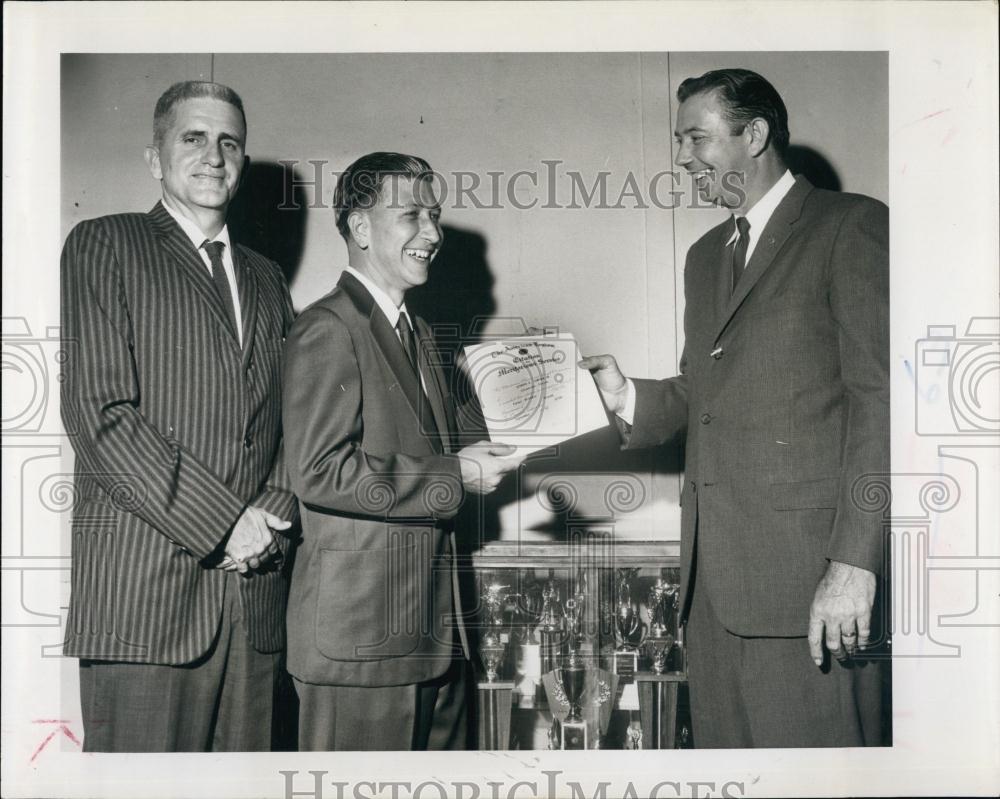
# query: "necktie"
[[740, 250], [408, 340], [222, 287]]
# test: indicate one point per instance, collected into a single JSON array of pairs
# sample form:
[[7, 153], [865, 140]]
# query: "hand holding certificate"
[[532, 392]]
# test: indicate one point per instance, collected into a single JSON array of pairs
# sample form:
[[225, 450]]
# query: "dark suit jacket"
[[789, 413], [176, 430], [373, 590]]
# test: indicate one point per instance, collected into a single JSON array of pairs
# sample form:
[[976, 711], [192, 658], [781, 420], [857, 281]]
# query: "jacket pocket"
[[805, 494], [370, 602]]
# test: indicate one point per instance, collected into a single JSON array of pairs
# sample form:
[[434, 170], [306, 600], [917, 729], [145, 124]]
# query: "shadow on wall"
[[455, 301], [813, 165], [590, 463], [459, 290], [269, 214]]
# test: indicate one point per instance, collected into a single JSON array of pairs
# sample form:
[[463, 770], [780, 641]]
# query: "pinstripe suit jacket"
[[175, 429], [784, 401]]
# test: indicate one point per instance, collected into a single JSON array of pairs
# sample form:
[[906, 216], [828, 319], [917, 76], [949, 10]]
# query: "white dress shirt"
[[760, 214], [758, 217], [388, 308], [197, 236]]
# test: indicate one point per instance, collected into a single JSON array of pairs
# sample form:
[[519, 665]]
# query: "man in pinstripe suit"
[[172, 389]]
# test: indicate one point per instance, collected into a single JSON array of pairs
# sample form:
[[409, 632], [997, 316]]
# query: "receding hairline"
[[165, 111]]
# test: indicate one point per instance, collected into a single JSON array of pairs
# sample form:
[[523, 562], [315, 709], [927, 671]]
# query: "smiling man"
[[377, 655], [171, 392], [783, 399]]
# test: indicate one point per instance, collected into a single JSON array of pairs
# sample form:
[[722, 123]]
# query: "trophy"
[[628, 627], [573, 609], [492, 647], [550, 626], [573, 679], [494, 694], [662, 601], [528, 607], [528, 663]]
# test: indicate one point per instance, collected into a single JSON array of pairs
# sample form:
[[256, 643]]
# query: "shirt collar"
[[195, 233], [384, 302], [760, 214]]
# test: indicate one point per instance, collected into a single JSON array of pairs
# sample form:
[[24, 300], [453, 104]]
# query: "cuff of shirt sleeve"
[[628, 412]]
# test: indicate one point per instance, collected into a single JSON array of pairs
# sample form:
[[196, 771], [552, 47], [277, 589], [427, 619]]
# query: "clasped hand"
[[251, 544], [484, 465]]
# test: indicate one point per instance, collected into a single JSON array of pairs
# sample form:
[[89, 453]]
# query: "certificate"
[[533, 394]]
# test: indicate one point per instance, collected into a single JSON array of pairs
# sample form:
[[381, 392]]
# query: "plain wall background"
[[611, 276]]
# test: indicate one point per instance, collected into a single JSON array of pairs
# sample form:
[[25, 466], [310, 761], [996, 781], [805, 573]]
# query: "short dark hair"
[[190, 90], [360, 187], [746, 96]]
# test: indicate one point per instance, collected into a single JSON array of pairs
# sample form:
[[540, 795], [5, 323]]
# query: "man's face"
[[718, 160], [403, 234], [201, 156]]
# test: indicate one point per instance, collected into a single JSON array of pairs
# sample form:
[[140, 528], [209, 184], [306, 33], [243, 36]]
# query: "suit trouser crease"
[[767, 692], [431, 715], [222, 702]]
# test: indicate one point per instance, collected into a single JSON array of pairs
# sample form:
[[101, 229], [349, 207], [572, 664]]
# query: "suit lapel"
[[776, 232], [178, 246], [723, 278], [392, 351], [435, 388]]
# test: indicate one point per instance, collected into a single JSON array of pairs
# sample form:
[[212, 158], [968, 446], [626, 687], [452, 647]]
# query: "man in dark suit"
[[784, 399], [375, 640], [172, 390]]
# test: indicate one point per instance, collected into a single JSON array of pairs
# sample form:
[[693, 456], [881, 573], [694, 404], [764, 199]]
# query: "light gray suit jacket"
[[374, 591]]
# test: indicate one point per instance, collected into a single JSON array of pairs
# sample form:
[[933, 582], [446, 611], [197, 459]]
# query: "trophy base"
[[658, 709], [573, 735], [494, 715], [625, 663]]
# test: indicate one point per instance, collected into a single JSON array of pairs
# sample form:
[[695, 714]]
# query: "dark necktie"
[[222, 287], [740, 250], [408, 340]]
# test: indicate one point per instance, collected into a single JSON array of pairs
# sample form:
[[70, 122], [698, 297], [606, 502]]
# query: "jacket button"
[[694, 487], [716, 353], [706, 418], [248, 442]]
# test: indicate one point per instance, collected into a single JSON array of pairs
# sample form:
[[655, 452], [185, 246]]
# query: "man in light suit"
[[172, 389], [784, 400], [376, 646]]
